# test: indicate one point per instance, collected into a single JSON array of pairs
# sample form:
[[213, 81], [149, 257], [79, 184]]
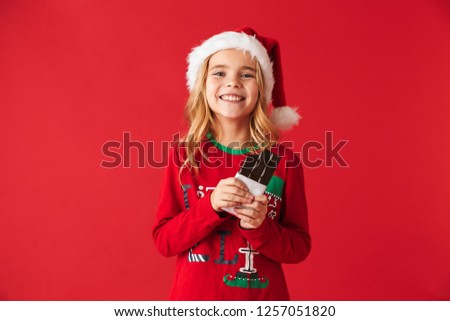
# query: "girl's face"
[[231, 88]]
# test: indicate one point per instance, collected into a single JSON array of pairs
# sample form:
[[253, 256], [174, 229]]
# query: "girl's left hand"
[[253, 214]]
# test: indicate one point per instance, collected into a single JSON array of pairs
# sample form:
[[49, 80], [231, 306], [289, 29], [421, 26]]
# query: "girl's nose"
[[233, 81]]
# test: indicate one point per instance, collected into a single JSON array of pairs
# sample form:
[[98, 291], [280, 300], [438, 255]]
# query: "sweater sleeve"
[[177, 229], [287, 241]]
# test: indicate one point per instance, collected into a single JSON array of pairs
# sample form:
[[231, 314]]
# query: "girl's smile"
[[232, 97]]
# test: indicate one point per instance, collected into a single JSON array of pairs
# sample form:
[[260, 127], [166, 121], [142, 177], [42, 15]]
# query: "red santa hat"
[[266, 51]]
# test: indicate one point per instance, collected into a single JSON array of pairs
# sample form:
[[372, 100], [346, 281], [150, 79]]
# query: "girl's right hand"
[[230, 192]]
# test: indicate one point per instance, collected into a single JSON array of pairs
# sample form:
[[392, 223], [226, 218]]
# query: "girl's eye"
[[247, 76], [219, 74]]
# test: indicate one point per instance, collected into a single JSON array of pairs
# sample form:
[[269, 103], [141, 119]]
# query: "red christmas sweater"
[[216, 259]]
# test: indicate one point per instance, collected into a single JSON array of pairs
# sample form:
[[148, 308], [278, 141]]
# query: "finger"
[[222, 204], [261, 199], [256, 206], [243, 217], [220, 199], [244, 197], [248, 212], [229, 197], [248, 222], [236, 190], [233, 181]]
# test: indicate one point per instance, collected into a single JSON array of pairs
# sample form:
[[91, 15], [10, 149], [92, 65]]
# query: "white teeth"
[[231, 97]]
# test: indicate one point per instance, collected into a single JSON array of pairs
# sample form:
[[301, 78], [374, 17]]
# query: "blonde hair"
[[201, 120]]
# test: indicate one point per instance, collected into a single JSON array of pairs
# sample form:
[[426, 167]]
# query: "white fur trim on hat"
[[231, 40], [285, 117]]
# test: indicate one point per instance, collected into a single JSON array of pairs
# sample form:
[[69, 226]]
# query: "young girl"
[[232, 77]]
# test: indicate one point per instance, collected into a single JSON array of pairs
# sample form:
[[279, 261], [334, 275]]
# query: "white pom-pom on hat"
[[266, 51], [285, 117]]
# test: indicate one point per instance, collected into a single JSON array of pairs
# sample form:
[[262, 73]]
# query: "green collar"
[[228, 150]]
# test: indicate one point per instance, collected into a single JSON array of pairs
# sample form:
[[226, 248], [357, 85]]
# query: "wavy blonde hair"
[[201, 120]]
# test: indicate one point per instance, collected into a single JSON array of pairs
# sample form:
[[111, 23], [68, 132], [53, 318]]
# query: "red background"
[[76, 74]]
